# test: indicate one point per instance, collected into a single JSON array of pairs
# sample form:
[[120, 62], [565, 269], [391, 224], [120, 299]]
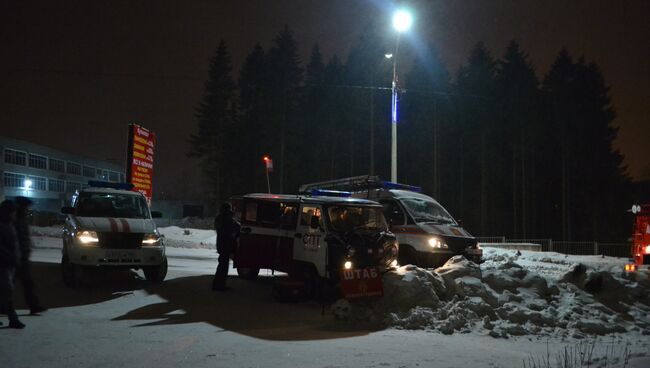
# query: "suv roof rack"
[[106, 184], [356, 184]]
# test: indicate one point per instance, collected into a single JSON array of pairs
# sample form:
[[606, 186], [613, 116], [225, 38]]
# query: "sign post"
[[139, 167], [268, 164]]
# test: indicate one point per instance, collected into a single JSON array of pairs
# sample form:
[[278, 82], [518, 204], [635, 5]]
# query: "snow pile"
[[187, 222], [504, 298], [49, 231], [177, 237]]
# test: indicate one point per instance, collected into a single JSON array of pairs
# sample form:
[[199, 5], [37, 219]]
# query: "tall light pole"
[[402, 21]]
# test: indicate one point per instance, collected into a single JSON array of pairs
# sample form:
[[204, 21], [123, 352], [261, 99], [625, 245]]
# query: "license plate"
[[115, 254], [474, 251]]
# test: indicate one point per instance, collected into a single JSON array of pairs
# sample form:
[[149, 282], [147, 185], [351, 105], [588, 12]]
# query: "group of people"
[[15, 249]]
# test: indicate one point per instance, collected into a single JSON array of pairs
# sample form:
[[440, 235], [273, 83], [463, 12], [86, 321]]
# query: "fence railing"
[[568, 247]]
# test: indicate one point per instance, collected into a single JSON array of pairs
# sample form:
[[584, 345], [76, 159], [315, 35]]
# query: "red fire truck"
[[640, 237]]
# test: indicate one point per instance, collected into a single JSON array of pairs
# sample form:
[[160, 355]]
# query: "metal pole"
[[268, 182], [393, 147]]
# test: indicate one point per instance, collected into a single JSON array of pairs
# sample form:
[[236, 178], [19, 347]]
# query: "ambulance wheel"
[[156, 273], [248, 273], [70, 273]]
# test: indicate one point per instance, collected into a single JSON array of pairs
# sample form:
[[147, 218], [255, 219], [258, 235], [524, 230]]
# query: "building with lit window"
[[48, 176]]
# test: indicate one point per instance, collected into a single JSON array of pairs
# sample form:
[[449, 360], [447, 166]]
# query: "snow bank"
[[177, 237], [551, 295], [50, 231]]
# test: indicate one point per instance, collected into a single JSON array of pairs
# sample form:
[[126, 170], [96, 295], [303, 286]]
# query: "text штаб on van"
[[312, 238], [427, 234]]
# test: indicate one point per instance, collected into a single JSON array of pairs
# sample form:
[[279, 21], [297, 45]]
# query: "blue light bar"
[[106, 184], [391, 185], [329, 193]]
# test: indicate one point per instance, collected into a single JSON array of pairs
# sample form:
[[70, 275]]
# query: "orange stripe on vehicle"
[[113, 224], [125, 225]]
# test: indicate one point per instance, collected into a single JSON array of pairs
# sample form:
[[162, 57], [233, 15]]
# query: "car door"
[[309, 243]]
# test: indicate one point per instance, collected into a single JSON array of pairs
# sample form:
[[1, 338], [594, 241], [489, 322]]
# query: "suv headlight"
[[87, 237], [151, 239], [437, 243]]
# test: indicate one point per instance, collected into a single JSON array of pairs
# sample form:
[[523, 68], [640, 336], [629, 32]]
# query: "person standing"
[[227, 233], [23, 271], [9, 257]]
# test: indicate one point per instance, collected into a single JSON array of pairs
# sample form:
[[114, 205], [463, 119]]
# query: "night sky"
[[74, 73]]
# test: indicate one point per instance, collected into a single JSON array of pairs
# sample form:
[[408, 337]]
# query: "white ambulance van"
[[108, 226], [428, 235]]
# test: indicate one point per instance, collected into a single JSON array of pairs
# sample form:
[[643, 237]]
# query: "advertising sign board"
[[139, 168]]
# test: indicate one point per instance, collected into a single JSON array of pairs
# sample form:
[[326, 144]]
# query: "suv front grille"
[[120, 240]]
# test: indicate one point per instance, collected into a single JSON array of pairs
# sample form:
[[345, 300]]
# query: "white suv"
[[111, 227]]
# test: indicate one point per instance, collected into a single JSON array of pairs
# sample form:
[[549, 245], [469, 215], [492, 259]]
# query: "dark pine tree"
[[475, 138], [591, 189], [519, 125], [215, 116], [424, 123], [254, 134], [285, 77]]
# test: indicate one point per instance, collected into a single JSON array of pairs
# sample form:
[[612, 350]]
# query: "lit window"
[[12, 180]]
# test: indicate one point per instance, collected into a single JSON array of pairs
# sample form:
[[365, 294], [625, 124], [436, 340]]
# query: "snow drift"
[[506, 296]]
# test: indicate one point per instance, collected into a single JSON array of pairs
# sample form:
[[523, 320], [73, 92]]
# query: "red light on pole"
[[268, 165]]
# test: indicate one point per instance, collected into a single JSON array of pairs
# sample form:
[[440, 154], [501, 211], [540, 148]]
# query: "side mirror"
[[67, 210], [156, 214], [314, 222]]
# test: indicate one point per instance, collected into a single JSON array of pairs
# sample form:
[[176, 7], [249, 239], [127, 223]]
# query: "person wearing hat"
[[227, 233], [9, 257], [23, 271]]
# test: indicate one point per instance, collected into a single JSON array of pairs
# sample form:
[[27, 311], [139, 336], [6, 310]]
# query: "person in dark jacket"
[[23, 271], [227, 233], [9, 257]]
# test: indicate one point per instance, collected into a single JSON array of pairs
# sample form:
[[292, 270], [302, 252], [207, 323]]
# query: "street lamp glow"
[[28, 184], [402, 21]]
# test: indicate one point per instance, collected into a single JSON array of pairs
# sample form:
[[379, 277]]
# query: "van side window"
[[393, 212], [251, 212], [307, 213], [289, 216]]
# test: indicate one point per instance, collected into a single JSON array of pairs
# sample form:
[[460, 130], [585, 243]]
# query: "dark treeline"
[[505, 151]]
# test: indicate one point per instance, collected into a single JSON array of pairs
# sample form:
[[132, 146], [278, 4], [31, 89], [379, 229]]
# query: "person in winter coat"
[[23, 271], [227, 233], [9, 257]]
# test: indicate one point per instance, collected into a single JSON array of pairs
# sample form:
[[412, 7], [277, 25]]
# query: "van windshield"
[[349, 218], [112, 205], [427, 211]]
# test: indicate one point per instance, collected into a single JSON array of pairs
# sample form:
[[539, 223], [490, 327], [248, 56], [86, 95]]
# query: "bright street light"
[[28, 184], [402, 21]]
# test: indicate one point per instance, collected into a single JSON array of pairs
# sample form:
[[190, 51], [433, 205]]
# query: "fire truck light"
[[647, 249], [265, 158], [347, 265]]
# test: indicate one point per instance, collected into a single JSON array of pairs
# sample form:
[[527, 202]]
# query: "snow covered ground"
[[512, 309]]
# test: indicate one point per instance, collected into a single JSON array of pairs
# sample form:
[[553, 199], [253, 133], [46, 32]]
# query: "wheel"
[[156, 273], [407, 256], [70, 273], [248, 273]]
